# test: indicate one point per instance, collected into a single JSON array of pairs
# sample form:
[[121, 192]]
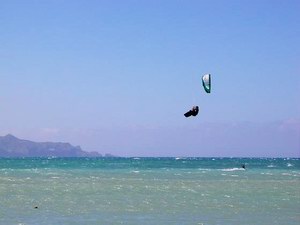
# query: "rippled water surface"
[[149, 191]]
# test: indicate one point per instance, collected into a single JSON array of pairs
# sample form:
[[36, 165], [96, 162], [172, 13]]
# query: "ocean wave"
[[232, 169], [267, 174], [286, 174]]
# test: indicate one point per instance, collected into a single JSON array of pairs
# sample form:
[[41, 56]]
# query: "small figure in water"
[[243, 166], [193, 112]]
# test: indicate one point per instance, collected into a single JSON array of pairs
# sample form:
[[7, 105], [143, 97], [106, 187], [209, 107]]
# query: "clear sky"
[[117, 76]]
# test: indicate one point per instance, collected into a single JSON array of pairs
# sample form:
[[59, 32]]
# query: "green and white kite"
[[206, 82]]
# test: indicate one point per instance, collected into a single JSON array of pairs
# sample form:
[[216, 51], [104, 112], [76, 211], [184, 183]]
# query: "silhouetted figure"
[[193, 112]]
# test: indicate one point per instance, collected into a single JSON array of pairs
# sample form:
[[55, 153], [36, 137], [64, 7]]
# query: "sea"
[[37, 191]]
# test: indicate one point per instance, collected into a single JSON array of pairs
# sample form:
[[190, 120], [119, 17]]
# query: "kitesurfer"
[[193, 112]]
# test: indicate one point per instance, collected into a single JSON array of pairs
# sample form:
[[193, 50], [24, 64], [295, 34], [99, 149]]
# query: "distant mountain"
[[10, 146]]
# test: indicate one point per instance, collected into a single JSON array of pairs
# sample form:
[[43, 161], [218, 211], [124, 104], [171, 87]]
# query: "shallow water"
[[149, 191]]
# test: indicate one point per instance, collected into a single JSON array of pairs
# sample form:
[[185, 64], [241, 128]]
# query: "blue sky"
[[117, 76]]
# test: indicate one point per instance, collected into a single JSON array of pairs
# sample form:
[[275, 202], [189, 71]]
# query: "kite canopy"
[[206, 82]]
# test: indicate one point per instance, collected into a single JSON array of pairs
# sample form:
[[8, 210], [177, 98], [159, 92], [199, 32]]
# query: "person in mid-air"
[[193, 112]]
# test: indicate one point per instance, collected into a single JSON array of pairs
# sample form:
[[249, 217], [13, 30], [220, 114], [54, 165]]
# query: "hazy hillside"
[[10, 146]]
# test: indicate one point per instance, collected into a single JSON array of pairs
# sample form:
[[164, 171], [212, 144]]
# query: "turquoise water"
[[149, 191]]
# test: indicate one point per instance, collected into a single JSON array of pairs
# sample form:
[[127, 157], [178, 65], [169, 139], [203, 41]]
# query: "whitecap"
[[178, 174], [232, 169], [286, 174], [204, 169], [8, 179], [192, 190], [289, 165]]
